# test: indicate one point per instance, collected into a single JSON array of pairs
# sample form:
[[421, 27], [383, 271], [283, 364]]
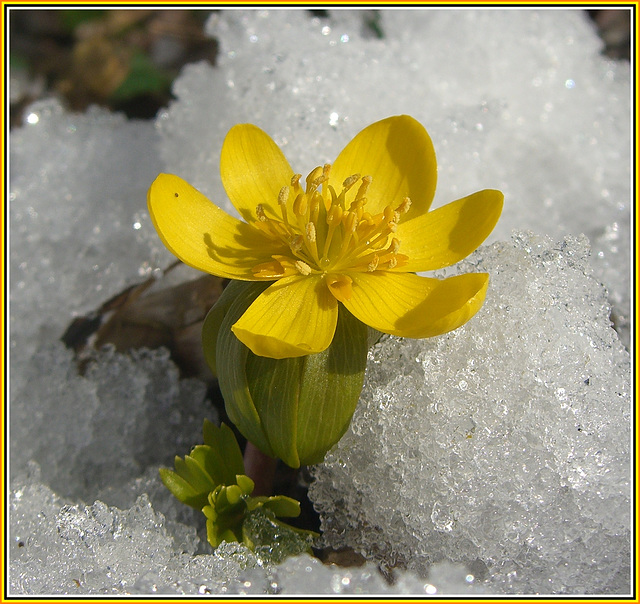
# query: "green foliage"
[[297, 408], [216, 462], [70, 19], [211, 479], [143, 78]]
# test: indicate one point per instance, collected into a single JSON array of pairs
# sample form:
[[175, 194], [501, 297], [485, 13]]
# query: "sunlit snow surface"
[[494, 459]]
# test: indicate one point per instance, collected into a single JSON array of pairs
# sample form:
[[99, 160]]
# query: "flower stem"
[[260, 468]]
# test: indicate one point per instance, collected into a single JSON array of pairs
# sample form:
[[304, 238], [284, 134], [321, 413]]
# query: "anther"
[[296, 243], [322, 178], [262, 217], [352, 180], [303, 267], [393, 262], [373, 265], [388, 214], [311, 231], [300, 205], [312, 177], [362, 191], [283, 196], [350, 221], [403, 208], [394, 246]]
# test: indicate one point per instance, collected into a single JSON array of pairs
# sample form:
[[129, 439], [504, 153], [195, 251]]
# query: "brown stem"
[[260, 468]]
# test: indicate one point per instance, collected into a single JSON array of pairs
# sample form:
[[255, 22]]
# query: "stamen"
[[352, 240], [314, 210], [358, 207], [303, 267], [334, 215], [311, 232], [349, 225], [318, 181], [388, 214], [313, 175], [349, 182], [268, 270], [283, 196], [350, 221], [326, 193], [300, 205], [403, 208], [362, 191], [262, 217], [367, 218]]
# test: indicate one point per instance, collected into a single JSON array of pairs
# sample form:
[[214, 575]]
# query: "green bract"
[[211, 478], [295, 408]]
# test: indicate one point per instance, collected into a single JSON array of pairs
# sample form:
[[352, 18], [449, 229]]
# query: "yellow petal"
[[295, 316], [253, 170], [450, 233], [397, 152], [404, 304], [201, 234]]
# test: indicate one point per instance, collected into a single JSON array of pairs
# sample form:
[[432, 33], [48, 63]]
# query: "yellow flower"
[[354, 233]]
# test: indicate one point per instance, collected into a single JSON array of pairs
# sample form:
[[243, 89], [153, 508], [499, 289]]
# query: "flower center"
[[326, 234]]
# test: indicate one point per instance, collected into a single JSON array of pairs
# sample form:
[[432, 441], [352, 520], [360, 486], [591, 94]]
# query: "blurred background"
[[126, 60]]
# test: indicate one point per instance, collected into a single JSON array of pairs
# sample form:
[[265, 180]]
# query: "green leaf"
[[143, 78], [234, 494], [281, 505], [245, 483], [182, 490], [199, 478], [218, 462], [228, 506], [70, 19], [211, 464], [223, 442], [181, 468]]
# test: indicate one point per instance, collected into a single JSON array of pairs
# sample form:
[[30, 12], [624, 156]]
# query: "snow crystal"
[[510, 437], [490, 460]]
